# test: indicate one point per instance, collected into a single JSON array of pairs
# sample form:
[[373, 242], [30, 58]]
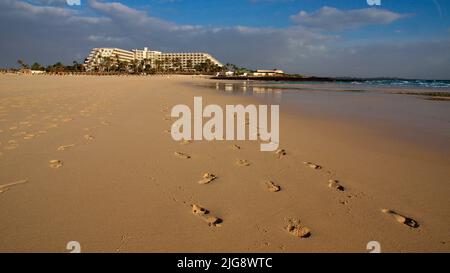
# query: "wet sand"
[[90, 159]]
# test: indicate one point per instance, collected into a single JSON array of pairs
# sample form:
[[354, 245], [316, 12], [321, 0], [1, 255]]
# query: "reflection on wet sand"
[[246, 88], [277, 88], [417, 114], [272, 90]]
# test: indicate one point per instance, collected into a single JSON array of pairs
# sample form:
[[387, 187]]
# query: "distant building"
[[225, 73], [99, 55], [30, 71], [25, 71], [38, 72], [180, 61], [268, 73]]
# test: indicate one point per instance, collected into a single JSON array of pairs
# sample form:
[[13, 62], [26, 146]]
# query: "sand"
[[90, 159]]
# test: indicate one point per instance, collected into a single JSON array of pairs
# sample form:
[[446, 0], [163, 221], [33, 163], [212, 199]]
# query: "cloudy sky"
[[400, 38]]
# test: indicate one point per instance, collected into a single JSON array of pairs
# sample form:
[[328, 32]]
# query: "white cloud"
[[51, 2], [329, 18], [88, 20], [102, 38], [38, 10], [127, 15]]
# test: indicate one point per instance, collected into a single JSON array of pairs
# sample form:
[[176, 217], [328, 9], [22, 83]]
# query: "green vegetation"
[[114, 65], [37, 66], [22, 64], [167, 65]]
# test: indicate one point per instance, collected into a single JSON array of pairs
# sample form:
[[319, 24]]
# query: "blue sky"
[[404, 38], [273, 13], [426, 15]]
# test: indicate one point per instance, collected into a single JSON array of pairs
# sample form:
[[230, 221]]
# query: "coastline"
[[394, 113], [125, 191]]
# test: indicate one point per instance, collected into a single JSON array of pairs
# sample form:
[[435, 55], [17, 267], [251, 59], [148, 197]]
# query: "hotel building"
[[182, 61], [98, 55]]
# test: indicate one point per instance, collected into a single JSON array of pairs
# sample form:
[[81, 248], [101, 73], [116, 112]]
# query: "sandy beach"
[[91, 159]]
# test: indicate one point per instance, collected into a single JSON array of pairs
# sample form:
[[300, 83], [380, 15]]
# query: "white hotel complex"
[[182, 61]]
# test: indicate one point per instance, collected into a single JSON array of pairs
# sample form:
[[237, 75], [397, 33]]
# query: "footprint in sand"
[[207, 178], [25, 122], [89, 137], [312, 165], [203, 213], [280, 153], [65, 147], [5, 187], [271, 186], [401, 219], [12, 144], [23, 133], [185, 142], [29, 136], [55, 164], [19, 134], [236, 147], [53, 125], [335, 184], [294, 228], [123, 241], [242, 162], [182, 155]]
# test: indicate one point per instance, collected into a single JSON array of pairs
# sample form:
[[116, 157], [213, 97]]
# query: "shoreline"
[[327, 104]]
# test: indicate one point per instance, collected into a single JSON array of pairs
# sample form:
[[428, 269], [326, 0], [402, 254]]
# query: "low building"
[[25, 71], [38, 72], [268, 73]]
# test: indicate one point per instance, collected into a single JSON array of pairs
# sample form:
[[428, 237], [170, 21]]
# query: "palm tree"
[[141, 66], [167, 62], [59, 67], [147, 66], [189, 64], [158, 65], [36, 66], [177, 64], [135, 65], [108, 63], [117, 62], [22, 64], [121, 66], [77, 67]]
